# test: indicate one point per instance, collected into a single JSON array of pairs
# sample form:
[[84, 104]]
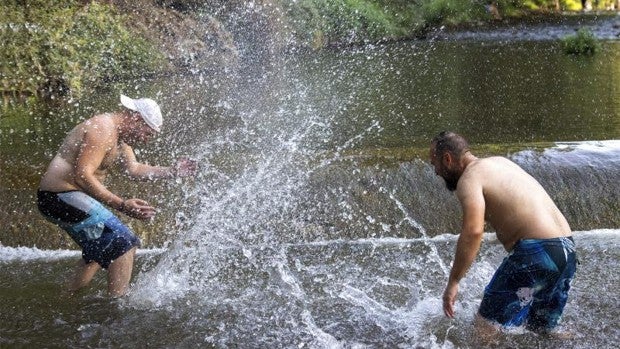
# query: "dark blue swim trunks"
[[531, 285], [100, 234]]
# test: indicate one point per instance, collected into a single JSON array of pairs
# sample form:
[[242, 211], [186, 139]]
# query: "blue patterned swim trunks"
[[531, 285], [100, 234]]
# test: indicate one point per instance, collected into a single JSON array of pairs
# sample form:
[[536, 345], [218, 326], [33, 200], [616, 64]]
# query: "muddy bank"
[[187, 39]]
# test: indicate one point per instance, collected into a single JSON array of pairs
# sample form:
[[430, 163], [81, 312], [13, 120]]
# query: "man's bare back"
[[516, 205]]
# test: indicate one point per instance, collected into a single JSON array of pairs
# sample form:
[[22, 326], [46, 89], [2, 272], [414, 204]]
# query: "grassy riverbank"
[[71, 46], [65, 47]]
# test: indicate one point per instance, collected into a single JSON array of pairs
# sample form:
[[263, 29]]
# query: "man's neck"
[[467, 159], [123, 123]]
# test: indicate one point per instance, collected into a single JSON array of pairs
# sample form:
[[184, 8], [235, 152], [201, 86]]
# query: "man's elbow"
[[82, 180], [472, 233], [129, 172], [132, 171]]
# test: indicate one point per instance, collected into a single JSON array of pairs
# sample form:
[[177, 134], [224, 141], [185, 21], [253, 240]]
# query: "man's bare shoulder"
[[494, 160], [100, 121], [481, 170], [473, 176], [100, 127], [493, 163]]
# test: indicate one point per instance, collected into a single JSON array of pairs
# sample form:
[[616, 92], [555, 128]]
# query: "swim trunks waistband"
[[54, 208], [527, 244], [559, 238]]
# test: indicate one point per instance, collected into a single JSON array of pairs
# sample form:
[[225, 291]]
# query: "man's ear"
[[447, 159]]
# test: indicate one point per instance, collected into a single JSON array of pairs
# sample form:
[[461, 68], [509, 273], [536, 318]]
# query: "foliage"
[[437, 12], [323, 22], [582, 43], [67, 47]]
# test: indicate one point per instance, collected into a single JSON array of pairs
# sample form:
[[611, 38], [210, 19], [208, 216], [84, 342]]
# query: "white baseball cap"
[[147, 108]]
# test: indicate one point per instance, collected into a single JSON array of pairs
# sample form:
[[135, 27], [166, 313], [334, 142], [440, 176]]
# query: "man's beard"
[[452, 180]]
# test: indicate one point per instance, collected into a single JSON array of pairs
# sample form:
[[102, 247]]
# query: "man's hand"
[[449, 298], [137, 208], [185, 167]]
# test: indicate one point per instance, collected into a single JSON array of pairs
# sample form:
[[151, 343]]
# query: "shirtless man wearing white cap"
[[72, 194]]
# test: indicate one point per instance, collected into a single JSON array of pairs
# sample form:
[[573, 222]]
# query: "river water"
[[315, 220]]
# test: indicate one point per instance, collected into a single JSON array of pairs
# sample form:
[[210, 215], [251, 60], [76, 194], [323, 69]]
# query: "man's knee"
[[125, 257], [485, 330]]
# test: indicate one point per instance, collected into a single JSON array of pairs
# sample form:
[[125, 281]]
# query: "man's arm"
[[472, 201], [140, 171], [92, 152]]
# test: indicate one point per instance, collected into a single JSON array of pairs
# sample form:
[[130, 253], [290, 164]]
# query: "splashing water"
[[253, 265], [290, 244]]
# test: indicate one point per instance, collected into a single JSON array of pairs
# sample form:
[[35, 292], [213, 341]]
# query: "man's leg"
[[84, 273], [485, 332], [119, 273]]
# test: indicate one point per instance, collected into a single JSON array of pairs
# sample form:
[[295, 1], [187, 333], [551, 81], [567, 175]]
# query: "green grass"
[[436, 12], [67, 48], [319, 23], [582, 43]]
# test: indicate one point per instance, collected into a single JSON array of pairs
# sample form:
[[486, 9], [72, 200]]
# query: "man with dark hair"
[[531, 286], [72, 194]]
